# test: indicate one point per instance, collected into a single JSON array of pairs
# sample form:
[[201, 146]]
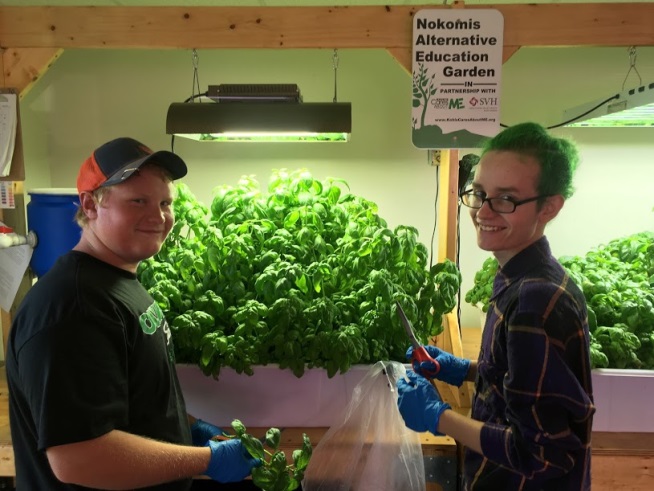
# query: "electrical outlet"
[[434, 158]]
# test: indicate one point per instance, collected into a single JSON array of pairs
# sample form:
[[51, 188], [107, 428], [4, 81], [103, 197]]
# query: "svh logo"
[[456, 103], [488, 101], [473, 102]]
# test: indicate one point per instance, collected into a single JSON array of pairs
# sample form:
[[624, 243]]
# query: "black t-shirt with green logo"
[[89, 352]]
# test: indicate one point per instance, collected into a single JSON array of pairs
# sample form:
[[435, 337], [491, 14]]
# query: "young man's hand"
[[419, 403], [453, 369], [230, 461], [201, 431]]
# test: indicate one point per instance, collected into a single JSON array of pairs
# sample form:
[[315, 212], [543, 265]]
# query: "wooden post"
[[450, 338]]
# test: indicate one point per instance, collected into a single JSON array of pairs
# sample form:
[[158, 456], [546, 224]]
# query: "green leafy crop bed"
[[303, 275], [618, 282]]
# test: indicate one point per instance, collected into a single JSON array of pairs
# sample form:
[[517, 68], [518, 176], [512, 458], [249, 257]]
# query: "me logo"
[[456, 103]]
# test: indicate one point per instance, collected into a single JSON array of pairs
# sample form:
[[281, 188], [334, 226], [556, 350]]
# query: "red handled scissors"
[[419, 352]]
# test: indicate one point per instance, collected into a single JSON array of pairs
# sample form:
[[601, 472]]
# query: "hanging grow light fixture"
[[258, 112], [629, 108]]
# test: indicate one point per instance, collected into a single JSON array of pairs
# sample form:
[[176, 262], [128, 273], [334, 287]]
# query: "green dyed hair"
[[558, 158]]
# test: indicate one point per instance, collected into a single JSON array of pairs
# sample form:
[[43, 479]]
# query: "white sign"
[[8, 125], [457, 67]]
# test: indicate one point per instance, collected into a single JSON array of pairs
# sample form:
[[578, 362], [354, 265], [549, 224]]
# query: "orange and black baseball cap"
[[117, 160]]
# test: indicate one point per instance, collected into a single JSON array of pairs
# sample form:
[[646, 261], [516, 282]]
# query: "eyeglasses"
[[476, 199]]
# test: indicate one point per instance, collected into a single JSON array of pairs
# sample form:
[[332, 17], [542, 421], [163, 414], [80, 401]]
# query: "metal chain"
[[196, 78], [335, 64], [632, 66]]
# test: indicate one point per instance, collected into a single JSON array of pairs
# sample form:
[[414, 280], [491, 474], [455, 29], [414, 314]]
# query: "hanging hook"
[[632, 66], [335, 64], [196, 58], [196, 78]]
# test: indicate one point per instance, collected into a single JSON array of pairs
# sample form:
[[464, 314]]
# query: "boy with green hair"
[[532, 410]]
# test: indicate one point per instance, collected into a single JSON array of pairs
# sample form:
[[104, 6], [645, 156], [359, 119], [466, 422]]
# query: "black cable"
[[195, 96], [616, 96], [458, 252], [433, 235]]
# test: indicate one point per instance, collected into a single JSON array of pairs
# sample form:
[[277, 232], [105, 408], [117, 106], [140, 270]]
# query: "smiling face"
[[511, 175], [132, 220]]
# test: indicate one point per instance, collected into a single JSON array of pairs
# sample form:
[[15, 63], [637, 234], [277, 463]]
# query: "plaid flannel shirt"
[[533, 388]]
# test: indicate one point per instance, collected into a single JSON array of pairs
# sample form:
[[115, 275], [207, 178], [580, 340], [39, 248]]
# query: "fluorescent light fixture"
[[630, 108], [259, 113]]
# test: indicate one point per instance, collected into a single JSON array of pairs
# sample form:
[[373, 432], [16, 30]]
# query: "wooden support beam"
[[450, 338], [450, 341], [579, 24], [508, 52], [403, 57], [22, 67]]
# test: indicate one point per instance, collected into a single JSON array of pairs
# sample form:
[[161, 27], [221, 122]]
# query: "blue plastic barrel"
[[51, 216]]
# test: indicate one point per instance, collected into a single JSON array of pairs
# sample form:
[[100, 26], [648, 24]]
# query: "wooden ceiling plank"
[[508, 52], [2, 76], [404, 57], [22, 67], [578, 24]]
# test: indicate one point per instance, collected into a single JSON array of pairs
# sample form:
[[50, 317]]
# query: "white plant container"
[[624, 400], [272, 397], [276, 398]]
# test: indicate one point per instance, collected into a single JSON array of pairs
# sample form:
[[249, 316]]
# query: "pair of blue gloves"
[[419, 403], [230, 461]]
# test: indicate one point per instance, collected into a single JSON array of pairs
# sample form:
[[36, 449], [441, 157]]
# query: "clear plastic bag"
[[370, 447]]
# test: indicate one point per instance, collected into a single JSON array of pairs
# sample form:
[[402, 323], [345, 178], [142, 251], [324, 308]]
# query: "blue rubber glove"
[[230, 461], [419, 403], [453, 369], [201, 431]]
